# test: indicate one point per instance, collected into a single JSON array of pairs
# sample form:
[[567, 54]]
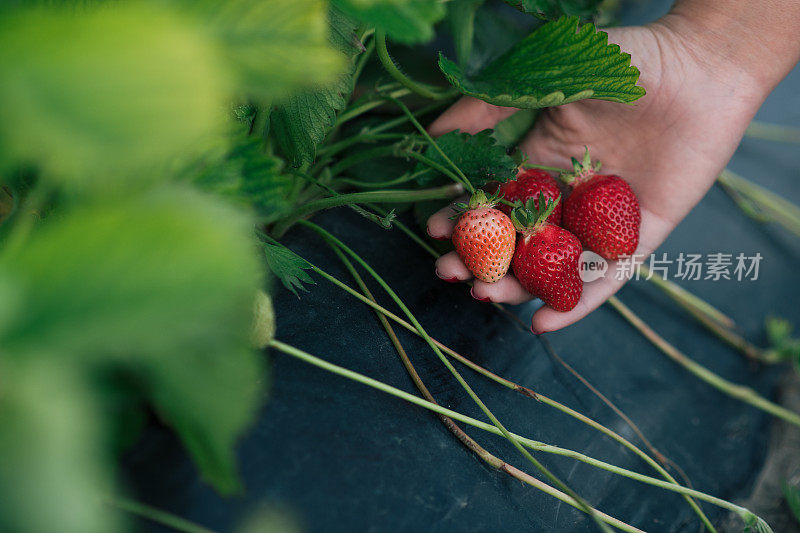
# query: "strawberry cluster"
[[601, 213]]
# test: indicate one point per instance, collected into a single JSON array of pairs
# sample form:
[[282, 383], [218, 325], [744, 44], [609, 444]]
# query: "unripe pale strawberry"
[[484, 239]]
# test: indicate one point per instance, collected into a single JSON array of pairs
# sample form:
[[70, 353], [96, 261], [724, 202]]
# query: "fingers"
[[451, 268], [440, 225], [507, 291], [594, 294], [469, 115], [652, 233]]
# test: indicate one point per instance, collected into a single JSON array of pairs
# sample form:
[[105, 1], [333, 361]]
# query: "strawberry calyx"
[[581, 170], [529, 218], [477, 200]]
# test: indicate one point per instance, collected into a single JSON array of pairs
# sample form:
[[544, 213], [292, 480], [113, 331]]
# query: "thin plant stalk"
[[388, 196], [740, 392], [773, 132], [448, 422], [686, 299], [462, 178], [713, 320], [384, 221], [459, 433], [560, 484], [153, 514], [746, 514], [775, 207], [659, 456], [525, 391], [360, 109], [396, 73], [366, 135], [404, 178], [360, 378], [545, 167]]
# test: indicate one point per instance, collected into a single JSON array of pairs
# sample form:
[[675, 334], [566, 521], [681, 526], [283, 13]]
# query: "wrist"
[[733, 42]]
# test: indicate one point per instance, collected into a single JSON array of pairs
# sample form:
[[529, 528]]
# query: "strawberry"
[[602, 210], [528, 184], [484, 238], [547, 257]]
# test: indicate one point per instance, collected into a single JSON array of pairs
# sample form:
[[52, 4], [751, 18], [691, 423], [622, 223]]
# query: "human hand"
[[670, 145]]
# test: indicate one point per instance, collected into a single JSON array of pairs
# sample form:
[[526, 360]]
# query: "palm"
[[670, 146]]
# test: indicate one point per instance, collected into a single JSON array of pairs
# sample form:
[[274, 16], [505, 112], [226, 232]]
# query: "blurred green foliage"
[[100, 94], [122, 284], [140, 143]]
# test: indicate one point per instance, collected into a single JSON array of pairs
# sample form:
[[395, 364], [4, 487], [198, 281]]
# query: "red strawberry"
[[602, 211], [528, 184], [484, 239], [547, 258]]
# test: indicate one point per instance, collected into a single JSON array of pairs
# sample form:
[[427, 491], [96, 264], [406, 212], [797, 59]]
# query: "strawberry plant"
[[152, 156]]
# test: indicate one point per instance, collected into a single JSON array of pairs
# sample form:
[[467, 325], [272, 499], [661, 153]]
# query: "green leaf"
[[479, 157], [781, 342], [791, 494], [159, 286], [556, 64], [301, 122], [53, 470], [287, 266], [404, 21], [272, 46], [90, 94], [556, 8], [246, 175]]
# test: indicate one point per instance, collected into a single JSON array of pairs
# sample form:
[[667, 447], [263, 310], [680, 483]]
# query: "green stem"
[[773, 132], [360, 109], [709, 317], [363, 59], [774, 206], [364, 155], [532, 444], [368, 136], [364, 380], [555, 480], [527, 392], [396, 73], [155, 515], [375, 130], [514, 386], [733, 390], [462, 178], [404, 178], [405, 229], [543, 167], [686, 299], [384, 222], [386, 196]]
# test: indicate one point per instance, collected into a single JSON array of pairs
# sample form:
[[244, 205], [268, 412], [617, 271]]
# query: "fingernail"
[[472, 293], [448, 280], [428, 231]]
